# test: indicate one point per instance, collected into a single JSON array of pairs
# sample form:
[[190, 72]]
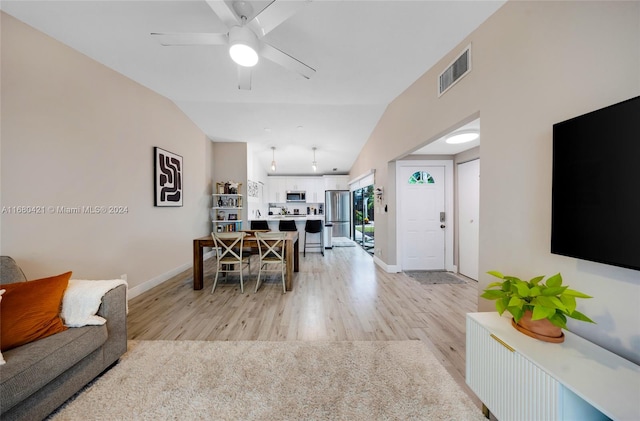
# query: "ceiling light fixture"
[[243, 46], [462, 136], [273, 161], [314, 164]]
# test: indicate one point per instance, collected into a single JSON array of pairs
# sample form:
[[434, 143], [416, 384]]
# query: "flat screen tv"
[[596, 186]]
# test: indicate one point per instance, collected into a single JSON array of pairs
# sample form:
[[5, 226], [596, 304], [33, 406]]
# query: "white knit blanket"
[[82, 299]]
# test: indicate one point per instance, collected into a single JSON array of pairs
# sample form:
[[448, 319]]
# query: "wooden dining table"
[[292, 256]]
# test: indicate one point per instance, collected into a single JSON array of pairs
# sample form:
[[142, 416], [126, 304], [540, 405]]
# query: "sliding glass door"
[[363, 218]]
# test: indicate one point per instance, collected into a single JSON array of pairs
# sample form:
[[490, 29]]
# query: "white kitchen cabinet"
[[315, 190], [336, 182], [277, 189], [314, 186]]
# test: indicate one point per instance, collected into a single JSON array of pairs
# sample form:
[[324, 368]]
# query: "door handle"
[[442, 226]]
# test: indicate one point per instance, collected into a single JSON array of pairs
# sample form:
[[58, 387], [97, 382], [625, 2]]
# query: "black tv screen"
[[596, 186]]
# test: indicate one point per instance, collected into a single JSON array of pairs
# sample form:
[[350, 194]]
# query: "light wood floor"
[[342, 296]]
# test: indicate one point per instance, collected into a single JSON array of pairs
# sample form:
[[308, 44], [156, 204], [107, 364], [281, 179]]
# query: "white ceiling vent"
[[456, 71]]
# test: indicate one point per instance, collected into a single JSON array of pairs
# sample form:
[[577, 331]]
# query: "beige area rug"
[[198, 380]]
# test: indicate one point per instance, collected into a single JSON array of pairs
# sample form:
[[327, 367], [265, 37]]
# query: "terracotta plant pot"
[[542, 329]]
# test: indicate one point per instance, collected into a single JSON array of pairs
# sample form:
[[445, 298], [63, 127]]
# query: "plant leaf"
[[516, 312], [569, 302], [535, 291], [523, 289], [552, 291], [577, 294], [515, 302], [501, 304], [536, 280], [550, 302], [579, 316], [558, 320], [493, 294], [542, 312], [554, 281], [496, 274], [494, 284]]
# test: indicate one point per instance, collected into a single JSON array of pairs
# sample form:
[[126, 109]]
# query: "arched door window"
[[421, 177]]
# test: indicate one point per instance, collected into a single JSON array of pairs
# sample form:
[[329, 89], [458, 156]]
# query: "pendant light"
[[314, 164], [273, 159]]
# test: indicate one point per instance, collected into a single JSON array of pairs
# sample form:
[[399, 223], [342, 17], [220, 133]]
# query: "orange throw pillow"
[[31, 310]]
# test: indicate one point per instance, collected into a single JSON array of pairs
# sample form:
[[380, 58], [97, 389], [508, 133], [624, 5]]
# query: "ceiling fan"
[[244, 36]]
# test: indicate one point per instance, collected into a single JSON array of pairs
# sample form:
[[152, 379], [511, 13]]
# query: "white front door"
[[421, 207], [469, 217]]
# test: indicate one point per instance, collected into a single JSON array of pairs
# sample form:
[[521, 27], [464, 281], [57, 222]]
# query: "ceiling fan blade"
[[226, 15], [244, 78], [173, 39], [285, 60], [273, 15]]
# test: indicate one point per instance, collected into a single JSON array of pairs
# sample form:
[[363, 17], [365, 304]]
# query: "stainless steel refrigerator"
[[337, 210]]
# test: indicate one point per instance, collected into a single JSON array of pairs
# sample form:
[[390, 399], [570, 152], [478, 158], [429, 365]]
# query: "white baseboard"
[[387, 268], [154, 282]]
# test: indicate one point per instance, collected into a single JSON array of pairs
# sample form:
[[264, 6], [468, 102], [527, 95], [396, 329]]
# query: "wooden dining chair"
[[230, 255], [271, 247]]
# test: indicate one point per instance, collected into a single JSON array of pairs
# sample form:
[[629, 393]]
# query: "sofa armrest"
[[114, 309]]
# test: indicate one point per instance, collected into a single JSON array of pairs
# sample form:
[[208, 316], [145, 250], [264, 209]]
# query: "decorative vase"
[[541, 329]]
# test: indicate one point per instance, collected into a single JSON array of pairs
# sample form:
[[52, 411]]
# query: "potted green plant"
[[539, 309]]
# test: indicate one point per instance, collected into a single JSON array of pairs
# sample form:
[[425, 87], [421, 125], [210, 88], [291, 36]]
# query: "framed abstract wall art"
[[168, 182]]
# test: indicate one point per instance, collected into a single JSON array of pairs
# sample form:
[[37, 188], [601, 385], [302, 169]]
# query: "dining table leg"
[[289, 257], [197, 265]]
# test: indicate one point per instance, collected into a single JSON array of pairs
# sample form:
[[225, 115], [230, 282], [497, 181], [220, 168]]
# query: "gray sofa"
[[40, 376]]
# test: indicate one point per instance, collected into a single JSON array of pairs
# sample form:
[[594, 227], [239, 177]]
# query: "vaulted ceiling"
[[365, 53]]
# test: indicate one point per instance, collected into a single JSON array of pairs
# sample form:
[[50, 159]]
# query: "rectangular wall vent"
[[456, 71]]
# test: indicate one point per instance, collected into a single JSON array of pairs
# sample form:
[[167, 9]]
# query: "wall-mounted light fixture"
[[378, 192]]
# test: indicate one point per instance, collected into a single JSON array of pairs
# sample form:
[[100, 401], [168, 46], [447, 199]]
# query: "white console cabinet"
[[520, 378]]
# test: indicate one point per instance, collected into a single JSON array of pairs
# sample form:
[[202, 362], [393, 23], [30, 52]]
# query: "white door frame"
[[448, 208], [468, 202]]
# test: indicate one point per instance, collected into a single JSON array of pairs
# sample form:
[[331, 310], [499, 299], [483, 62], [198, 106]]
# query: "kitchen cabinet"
[[313, 185], [277, 189], [336, 182]]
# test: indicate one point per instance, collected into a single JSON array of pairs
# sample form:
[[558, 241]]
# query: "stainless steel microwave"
[[296, 196]]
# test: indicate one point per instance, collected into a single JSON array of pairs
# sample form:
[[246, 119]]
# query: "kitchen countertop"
[[298, 217]]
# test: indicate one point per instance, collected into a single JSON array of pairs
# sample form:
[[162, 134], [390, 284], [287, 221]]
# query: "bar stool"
[[313, 226], [258, 224], [287, 225]]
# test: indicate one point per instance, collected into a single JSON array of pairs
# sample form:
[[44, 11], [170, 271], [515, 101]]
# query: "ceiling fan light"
[[243, 46], [462, 136]]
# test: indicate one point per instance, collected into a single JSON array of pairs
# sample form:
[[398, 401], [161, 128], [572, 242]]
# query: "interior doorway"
[[364, 218], [425, 224], [469, 218]]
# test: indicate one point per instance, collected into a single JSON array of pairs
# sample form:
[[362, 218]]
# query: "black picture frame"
[[168, 178]]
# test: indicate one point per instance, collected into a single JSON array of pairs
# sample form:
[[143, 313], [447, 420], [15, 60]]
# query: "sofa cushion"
[[31, 310], [31, 366], [10, 272]]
